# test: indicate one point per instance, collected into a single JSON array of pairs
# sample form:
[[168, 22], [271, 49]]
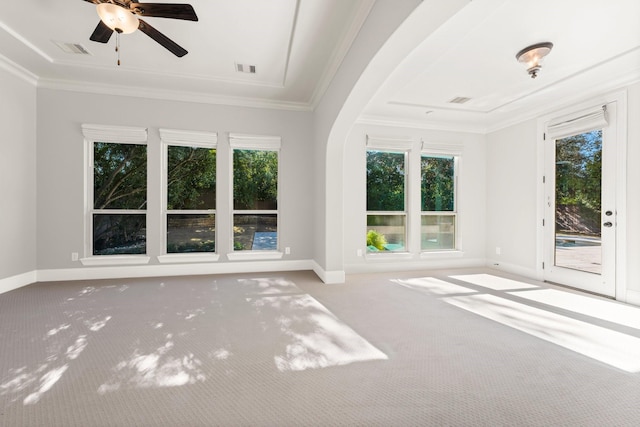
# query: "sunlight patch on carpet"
[[434, 286], [159, 368], [494, 282], [310, 336], [610, 311], [497, 303], [608, 346]]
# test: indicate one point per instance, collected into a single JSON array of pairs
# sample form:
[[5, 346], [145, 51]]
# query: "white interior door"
[[580, 202]]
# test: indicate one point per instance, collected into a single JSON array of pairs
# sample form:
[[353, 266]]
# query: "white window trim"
[[442, 149], [241, 141], [578, 122], [184, 138], [109, 134], [389, 143], [189, 138], [445, 150]]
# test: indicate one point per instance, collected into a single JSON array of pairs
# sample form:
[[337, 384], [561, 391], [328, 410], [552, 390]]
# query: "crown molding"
[[18, 71], [171, 95]]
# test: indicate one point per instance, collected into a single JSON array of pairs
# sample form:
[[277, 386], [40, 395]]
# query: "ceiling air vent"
[[459, 100], [74, 48], [245, 68]]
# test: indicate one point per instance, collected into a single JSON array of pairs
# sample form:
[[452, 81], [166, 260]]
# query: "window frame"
[[239, 141], [109, 135], [394, 145], [433, 152], [195, 139]]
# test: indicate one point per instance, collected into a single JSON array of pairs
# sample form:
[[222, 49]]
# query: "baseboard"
[[18, 281], [329, 277], [134, 271], [514, 269], [632, 297], [435, 264]]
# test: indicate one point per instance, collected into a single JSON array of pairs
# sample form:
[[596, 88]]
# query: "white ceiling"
[[596, 48], [297, 46]]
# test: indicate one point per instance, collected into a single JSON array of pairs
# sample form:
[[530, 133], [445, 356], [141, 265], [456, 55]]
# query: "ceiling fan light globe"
[[117, 18]]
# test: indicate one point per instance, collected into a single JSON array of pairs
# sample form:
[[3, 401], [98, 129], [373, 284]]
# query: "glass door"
[[580, 217]]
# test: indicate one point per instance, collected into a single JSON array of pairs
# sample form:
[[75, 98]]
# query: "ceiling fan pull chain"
[[118, 46]]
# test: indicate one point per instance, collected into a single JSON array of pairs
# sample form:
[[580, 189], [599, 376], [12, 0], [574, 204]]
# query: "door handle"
[[608, 224]]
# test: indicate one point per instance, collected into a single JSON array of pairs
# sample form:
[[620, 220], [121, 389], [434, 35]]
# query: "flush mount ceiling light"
[[532, 57]]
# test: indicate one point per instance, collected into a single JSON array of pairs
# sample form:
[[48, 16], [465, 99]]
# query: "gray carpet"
[[412, 349]]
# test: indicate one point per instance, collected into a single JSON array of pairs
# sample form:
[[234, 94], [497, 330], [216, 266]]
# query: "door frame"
[[619, 120]]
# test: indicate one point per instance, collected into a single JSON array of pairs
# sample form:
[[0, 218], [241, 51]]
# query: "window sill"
[[115, 260], [187, 258], [254, 255], [442, 254]]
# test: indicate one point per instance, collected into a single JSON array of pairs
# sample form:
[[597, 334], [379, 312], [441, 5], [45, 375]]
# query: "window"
[[189, 196], [116, 195], [438, 207], [255, 192], [191, 199], [386, 201], [116, 215]]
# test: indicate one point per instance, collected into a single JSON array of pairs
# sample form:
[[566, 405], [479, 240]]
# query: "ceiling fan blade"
[[165, 41], [164, 10], [102, 33]]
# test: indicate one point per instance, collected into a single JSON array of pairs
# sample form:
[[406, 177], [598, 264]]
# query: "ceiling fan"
[[121, 16]]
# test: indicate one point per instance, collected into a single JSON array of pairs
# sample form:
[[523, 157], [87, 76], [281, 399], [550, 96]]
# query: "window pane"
[[119, 234], [191, 178], [438, 232], [255, 232], [120, 176], [255, 180], [191, 233], [386, 233], [578, 202], [385, 181], [437, 184]]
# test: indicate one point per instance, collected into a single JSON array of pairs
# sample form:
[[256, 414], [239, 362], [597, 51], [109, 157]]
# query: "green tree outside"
[[385, 181], [437, 184]]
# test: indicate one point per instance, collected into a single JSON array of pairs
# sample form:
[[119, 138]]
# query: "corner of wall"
[[17, 281]]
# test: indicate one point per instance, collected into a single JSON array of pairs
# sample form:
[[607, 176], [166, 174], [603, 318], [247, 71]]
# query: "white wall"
[[17, 178], [511, 198], [392, 30], [471, 201], [383, 20], [61, 166]]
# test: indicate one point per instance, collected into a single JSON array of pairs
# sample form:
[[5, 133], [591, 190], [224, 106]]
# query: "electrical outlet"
[[287, 250], [359, 252], [498, 250], [74, 256]]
